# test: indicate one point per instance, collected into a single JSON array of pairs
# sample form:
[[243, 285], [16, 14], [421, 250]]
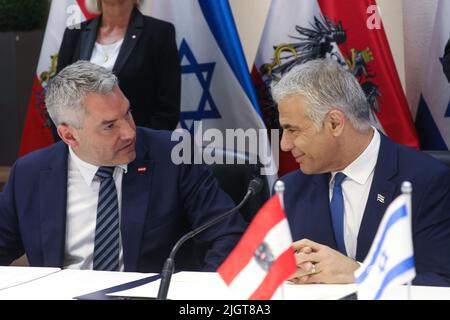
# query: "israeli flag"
[[433, 114], [217, 93], [390, 261]]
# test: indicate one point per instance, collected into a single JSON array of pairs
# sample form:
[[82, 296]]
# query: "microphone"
[[254, 187]]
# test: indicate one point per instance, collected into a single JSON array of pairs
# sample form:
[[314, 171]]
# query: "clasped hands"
[[317, 263]]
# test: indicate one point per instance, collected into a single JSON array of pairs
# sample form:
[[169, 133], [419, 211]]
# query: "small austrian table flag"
[[263, 259]]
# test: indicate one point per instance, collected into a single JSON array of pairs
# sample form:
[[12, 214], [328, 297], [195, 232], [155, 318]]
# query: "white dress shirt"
[[355, 189], [82, 198]]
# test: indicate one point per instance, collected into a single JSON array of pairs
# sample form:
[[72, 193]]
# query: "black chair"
[[442, 156], [234, 178]]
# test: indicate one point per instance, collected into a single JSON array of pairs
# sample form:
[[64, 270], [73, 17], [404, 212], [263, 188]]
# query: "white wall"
[[418, 26], [250, 16], [391, 14]]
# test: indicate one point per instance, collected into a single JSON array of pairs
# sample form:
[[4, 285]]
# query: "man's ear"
[[335, 121], [68, 134]]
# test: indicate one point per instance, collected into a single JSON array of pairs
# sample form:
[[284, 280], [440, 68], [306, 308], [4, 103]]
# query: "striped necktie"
[[106, 245], [337, 211]]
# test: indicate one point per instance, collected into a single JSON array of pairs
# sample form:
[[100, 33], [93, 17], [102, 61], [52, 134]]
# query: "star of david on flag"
[[191, 70], [390, 261], [216, 88], [433, 113]]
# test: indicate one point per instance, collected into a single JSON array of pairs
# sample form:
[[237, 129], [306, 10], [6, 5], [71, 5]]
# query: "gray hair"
[[65, 93], [95, 6], [325, 85]]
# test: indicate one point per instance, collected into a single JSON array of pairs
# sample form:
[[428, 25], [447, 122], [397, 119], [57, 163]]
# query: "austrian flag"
[[63, 13], [264, 257], [351, 33]]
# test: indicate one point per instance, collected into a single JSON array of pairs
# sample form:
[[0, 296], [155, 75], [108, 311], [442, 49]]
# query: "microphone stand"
[[167, 271]]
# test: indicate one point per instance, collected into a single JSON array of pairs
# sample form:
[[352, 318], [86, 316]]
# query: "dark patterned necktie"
[[106, 246], [337, 211]]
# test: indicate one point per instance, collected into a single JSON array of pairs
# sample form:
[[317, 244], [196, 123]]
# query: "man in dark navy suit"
[[108, 196], [349, 173]]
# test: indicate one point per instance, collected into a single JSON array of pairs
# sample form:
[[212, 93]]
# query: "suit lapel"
[[132, 36], [136, 188], [88, 37], [380, 195], [53, 207], [310, 217]]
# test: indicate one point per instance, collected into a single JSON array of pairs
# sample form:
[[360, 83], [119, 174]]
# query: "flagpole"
[[407, 190], [279, 189]]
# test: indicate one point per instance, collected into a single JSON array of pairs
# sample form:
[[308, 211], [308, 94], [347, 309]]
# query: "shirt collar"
[[88, 170], [363, 166]]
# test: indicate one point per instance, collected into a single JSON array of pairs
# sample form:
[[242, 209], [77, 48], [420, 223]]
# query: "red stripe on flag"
[[268, 216], [36, 134], [86, 13], [282, 268], [394, 115]]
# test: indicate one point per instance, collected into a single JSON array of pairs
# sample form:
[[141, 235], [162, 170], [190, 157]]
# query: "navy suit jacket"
[[308, 210], [159, 205], [147, 67]]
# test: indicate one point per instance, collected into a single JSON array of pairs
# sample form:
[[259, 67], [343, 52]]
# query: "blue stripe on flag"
[[400, 213], [429, 135], [395, 272], [218, 15]]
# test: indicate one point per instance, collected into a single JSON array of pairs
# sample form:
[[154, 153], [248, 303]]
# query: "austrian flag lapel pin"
[[142, 169]]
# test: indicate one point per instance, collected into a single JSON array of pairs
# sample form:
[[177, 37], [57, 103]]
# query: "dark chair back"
[[234, 178], [442, 156]]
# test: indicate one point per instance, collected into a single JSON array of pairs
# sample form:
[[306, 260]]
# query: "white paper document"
[[13, 276], [185, 286], [419, 293], [210, 286], [68, 284], [23, 283]]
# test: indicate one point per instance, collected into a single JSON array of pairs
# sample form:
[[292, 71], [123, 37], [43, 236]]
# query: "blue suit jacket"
[[307, 206], [158, 207]]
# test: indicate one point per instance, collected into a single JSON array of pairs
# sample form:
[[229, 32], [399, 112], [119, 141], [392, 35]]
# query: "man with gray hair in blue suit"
[[108, 196], [348, 174]]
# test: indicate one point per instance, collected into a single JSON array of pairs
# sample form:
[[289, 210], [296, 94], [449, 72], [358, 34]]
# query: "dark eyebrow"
[[106, 122]]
